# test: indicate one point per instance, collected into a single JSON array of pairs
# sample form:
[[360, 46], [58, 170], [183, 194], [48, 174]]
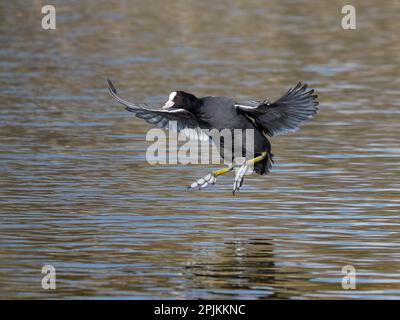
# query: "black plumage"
[[194, 114]]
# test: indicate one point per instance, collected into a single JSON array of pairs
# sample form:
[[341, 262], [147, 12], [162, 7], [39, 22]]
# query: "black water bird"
[[196, 116]]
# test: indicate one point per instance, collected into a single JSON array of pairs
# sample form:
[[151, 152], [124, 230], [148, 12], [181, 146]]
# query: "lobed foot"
[[240, 173], [204, 182]]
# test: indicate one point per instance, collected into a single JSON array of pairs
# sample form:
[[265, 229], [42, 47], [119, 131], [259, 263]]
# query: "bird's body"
[[222, 114]]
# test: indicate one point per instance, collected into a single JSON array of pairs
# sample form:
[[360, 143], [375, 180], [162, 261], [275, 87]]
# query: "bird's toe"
[[204, 182], [240, 177]]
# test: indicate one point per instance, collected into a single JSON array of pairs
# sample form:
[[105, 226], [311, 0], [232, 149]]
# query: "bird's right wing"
[[284, 115], [179, 120]]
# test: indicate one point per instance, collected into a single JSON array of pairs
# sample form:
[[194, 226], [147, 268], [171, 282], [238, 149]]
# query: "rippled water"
[[77, 193]]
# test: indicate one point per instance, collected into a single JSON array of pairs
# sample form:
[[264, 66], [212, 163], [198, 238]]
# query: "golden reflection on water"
[[77, 193]]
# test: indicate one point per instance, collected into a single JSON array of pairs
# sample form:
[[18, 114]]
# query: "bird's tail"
[[265, 165]]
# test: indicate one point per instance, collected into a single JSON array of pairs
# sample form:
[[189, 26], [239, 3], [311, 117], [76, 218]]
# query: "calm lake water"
[[76, 191]]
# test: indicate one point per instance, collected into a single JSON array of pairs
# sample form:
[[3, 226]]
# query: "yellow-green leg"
[[211, 178]]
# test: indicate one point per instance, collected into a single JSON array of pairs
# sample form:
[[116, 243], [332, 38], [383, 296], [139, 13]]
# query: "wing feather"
[[286, 114], [175, 119]]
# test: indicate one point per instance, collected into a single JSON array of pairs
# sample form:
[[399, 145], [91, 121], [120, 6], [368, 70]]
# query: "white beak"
[[167, 105], [170, 101]]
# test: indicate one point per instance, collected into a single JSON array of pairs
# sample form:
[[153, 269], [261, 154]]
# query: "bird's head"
[[181, 100]]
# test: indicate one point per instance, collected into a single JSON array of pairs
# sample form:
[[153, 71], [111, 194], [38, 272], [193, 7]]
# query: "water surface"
[[76, 191]]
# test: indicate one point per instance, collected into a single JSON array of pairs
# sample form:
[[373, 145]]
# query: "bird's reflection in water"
[[244, 268]]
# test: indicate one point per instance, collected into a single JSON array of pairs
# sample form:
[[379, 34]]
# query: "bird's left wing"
[[179, 120]]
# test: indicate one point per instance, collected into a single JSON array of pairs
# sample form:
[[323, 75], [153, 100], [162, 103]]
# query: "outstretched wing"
[[175, 119], [284, 115]]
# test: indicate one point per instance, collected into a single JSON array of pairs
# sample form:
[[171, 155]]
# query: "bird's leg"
[[244, 168], [210, 178]]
